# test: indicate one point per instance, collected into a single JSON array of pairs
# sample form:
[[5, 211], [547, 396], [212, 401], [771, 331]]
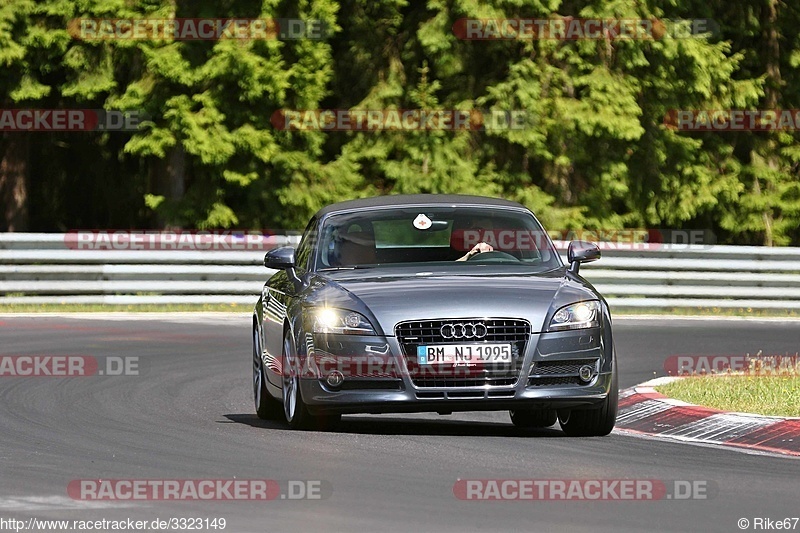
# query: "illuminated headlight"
[[331, 320], [576, 316]]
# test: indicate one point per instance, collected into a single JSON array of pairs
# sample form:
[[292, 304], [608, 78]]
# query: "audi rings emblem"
[[467, 330]]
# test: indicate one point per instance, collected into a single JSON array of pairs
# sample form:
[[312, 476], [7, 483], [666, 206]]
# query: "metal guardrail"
[[698, 276], [49, 268], [43, 268]]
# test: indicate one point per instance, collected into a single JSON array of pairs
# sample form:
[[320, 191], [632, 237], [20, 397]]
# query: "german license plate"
[[464, 353]]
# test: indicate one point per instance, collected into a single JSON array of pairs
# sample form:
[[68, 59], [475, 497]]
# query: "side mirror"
[[283, 259], [581, 252], [280, 258]]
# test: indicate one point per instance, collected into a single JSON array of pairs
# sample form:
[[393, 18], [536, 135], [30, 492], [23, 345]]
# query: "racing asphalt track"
[[190, 415]]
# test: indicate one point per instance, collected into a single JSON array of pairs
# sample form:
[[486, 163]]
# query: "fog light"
[[585, 373], [335, 379]]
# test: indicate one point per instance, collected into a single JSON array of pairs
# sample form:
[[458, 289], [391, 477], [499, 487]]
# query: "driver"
[[477, 249], [482, 225]]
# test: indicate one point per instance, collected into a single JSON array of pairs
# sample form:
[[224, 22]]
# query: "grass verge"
[[706, 311], [763, 395], [143, 308]]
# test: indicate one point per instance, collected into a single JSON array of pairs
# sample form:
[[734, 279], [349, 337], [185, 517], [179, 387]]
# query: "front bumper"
[[388, 387]]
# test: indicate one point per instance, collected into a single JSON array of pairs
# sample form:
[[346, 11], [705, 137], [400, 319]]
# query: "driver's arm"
[[478, 248]]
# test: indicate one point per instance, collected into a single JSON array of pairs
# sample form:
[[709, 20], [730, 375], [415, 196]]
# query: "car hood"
[[389, 297]]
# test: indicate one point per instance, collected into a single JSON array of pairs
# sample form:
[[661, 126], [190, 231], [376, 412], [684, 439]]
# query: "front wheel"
[[592, 422], [267, 408], [294, 408]]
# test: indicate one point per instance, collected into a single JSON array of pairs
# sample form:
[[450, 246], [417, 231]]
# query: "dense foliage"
[[597, 155]]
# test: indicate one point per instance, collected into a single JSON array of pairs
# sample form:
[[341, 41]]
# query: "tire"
[[530, 418], [592, 422], [295, 409], [267, 407]]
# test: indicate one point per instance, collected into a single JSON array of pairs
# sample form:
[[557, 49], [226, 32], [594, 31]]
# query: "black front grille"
[[559, 373], [569, 368], [551, 381], [410, 335], [451, 382], [371, 384], [429, 331]]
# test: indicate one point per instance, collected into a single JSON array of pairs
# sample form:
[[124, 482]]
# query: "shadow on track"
[[361, 425]]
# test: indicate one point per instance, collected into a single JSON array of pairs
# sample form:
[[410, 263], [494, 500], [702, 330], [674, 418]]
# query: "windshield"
[[423, 235]]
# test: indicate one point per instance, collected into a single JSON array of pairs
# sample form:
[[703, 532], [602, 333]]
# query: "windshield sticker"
[[422, 222]]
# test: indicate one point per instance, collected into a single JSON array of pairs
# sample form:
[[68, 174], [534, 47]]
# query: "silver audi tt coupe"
[[439, 303]]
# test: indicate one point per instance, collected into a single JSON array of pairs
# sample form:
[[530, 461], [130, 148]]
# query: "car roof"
[[417, 199]]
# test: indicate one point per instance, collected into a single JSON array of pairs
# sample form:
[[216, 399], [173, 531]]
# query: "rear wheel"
[[592, 422], [294, 408], [267, 407], [530, 418]]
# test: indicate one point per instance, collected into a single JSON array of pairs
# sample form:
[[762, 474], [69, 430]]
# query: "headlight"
[[332, 320], [576, 316]]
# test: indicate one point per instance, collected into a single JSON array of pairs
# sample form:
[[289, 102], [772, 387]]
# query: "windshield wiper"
[[354, 267]]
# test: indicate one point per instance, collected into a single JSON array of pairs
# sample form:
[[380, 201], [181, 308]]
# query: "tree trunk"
[[772, 92], [14, 155], [168, 177]]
